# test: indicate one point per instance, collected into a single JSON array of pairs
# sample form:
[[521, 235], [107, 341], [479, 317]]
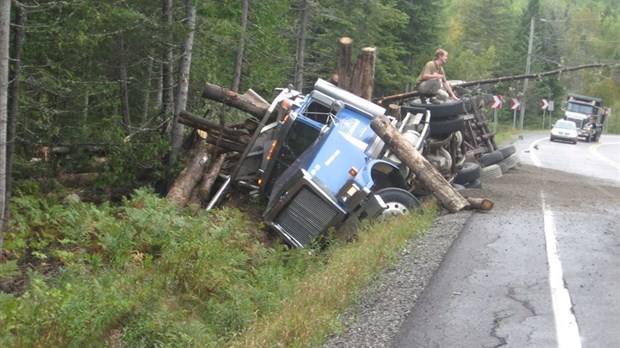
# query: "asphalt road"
[[542, 269]]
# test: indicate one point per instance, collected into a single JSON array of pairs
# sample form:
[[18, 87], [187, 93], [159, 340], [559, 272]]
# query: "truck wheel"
[[469, 173], [398, 201], [490, 158], [507, 150], [447, 126]]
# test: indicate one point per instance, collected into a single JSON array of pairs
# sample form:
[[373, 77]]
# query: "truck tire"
[[447, 126], [491, 172], [398, 201], [443, 110], [474, 184], [469, 173], [507, 150], [490, 158], [512, 161]]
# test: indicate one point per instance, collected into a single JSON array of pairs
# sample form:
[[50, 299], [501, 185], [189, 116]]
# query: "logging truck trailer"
[[588, 113]]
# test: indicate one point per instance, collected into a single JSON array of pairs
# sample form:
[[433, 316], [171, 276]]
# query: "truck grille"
[[306, 216]]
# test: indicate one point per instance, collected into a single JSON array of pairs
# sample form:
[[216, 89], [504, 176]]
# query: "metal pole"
[[527, 71]]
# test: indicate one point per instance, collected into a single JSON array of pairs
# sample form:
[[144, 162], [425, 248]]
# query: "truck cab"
[[588, 114]]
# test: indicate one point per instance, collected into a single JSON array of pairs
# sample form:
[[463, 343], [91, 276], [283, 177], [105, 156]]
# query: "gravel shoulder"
[[385, 305]]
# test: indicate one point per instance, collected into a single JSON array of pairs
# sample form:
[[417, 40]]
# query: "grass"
[[311, 314], [143, 275]]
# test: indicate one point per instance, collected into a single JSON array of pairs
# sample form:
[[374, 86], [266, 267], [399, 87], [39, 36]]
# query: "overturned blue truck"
[[321, 167]]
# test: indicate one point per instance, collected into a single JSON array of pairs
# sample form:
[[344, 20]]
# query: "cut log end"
[[480, 203], [345, 40]]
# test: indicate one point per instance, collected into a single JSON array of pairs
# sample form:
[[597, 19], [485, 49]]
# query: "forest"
[[91, 86]]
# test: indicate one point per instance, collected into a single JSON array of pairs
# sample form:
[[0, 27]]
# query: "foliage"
[[141, 274]]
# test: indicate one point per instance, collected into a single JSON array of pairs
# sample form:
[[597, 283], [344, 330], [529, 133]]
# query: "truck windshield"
[[580, 108]]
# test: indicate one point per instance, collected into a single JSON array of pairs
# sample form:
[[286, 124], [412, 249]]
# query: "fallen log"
[[202, 191], [428, 175], [247, 103], [187, 180], [223, 137], [480, 203], [194, 121]]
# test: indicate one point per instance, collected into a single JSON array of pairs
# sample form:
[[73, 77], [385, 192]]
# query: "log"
[[191, 120], [225, 96], [230, 139], [77, 179], [344, 63], [202, 191], [189, 177], [364, 73], [480, 203], [428, 175]]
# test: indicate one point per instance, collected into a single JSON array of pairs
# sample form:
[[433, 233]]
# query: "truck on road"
[[589, 115]]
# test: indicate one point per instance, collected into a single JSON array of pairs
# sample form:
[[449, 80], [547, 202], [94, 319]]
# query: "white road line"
[[594, 151], [533, 150], [566, 329]]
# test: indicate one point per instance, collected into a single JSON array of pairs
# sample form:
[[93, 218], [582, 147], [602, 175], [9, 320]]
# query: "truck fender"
[[380, 174]]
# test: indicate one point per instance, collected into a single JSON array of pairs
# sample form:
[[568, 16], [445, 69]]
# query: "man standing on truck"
[[432, 79]]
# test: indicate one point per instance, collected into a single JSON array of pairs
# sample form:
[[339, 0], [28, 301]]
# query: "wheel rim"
[[395, 209], [398, 202]]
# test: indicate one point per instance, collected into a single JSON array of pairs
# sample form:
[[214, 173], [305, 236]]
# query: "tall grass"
[[142, 275]]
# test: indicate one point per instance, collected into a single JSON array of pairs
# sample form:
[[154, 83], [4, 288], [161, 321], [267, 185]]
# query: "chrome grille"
[[306, 216]]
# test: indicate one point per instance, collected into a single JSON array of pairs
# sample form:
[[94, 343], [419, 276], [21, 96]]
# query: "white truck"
[[589, 115]]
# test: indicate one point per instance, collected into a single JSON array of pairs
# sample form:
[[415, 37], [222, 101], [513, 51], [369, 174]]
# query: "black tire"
[[447, 126], [507, 150], [469, 173], [490, 158], [474, 184], [504, 168], [398, 201], [512, 161], [443, 110]]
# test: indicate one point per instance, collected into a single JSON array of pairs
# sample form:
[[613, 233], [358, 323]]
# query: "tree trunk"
[[344, 63], [147, 88], [166, 66], [241, 48], [5, 25], [238, 101], [300, 57], [13, 101], [123, 89], [364, 74], [187, 180], [428, 175], [181, 100]]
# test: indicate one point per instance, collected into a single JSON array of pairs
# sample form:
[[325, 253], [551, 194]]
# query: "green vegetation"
[[98, 79], [141, 274]]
